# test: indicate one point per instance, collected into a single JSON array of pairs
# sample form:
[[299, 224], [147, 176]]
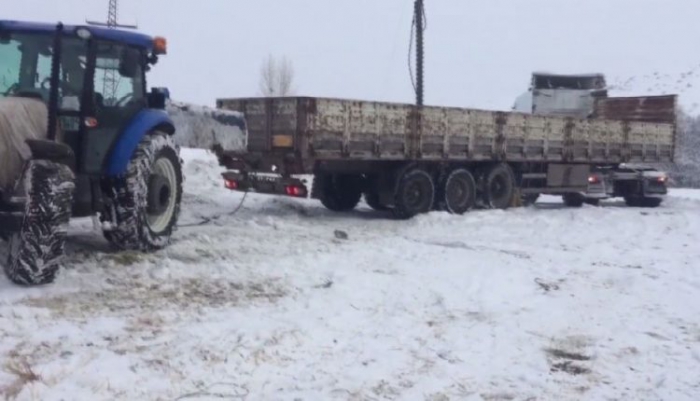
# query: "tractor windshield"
[[25, 64]]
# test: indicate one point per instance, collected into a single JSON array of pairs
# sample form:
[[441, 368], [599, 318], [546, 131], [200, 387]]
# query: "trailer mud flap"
[[568, 175]]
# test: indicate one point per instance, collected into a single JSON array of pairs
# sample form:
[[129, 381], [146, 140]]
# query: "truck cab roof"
[[115, 35]]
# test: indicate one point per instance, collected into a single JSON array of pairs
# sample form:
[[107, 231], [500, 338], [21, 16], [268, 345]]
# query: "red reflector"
[[293, 190], [231, 184]]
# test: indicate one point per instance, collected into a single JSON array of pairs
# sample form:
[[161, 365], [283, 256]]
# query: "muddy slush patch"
[[561, 354], [570, 368], [125, 297], [569, 355]]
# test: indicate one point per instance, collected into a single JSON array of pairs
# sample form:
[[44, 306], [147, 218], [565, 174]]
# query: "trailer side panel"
[[320, 129]]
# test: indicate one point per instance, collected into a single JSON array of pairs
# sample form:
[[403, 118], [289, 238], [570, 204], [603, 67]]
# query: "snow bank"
[[203, 127]]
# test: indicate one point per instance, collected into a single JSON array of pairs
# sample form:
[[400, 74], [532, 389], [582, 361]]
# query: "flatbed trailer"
[[411, 159]]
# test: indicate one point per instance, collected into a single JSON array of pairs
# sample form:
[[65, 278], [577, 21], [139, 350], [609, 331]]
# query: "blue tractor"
[[80, 136]]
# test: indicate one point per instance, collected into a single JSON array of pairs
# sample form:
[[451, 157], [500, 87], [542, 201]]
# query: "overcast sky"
[[480, 53]]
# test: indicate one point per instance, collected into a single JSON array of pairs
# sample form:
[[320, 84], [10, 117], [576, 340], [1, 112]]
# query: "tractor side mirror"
[[157, 98], [129, 63]]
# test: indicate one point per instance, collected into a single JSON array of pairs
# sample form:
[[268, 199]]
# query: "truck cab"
[[585, 96], [562, 95]]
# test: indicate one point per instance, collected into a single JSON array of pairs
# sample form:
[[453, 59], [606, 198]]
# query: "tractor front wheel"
[[144, 204]]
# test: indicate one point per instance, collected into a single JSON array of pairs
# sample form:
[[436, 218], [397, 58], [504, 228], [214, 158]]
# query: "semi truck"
[[410, 159]]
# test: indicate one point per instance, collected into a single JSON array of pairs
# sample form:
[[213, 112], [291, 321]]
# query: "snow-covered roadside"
[[542, 303]]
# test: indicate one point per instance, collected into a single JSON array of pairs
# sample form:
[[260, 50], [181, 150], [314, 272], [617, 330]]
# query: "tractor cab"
[[93, 83]]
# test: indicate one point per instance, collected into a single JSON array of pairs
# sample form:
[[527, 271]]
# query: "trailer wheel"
[[36, 251], [573, 200], [339, 192], [372, 200], [637, 201], [415, 194], [457, 195], [499, 186], [146, 202]]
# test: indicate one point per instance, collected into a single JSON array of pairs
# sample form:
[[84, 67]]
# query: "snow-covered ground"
[[542, 303]]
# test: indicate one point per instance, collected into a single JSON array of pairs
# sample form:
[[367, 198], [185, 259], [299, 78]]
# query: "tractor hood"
[[20, 119]]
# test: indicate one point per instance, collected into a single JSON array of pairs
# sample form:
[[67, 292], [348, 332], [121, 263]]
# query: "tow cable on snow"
[[207, 220]]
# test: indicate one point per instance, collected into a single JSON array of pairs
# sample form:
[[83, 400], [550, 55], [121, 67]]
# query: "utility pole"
[[112, 17], [111, 83], [419, 20]]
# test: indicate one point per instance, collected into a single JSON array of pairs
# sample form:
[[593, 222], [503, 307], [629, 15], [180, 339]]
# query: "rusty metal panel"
[[459, 137], [555, 138], [654, 109], [329, 129], [366, 130], [265, 119], [435, 126], [647, 141]]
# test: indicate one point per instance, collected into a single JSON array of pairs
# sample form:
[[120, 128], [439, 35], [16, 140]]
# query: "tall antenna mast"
[[110, 76]]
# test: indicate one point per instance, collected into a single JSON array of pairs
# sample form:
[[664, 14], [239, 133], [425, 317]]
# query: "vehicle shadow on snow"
[[282, 207], [616, 204]]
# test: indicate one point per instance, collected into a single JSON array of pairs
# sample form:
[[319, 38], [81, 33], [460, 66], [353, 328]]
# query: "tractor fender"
[[143, 123]]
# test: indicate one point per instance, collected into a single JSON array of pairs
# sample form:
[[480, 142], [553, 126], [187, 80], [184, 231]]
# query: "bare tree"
[[276, 77]]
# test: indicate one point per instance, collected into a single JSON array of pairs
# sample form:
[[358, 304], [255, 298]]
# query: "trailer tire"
[[372, 200], [457, 194], [573, 200], [499, 187], [35, 253], [415, 193], [636, 201], [339, 192], [154, 175]]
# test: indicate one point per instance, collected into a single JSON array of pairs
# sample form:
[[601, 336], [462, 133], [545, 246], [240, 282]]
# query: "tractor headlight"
[[83, 33]]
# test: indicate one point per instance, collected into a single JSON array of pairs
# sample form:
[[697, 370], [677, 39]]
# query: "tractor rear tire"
[[36, 252], [144, 204]]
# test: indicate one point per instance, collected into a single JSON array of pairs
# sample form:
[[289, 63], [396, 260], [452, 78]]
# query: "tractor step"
[[11, 222]]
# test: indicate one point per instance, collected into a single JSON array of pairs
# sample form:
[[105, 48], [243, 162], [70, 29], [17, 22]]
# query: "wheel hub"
[[159, 193]]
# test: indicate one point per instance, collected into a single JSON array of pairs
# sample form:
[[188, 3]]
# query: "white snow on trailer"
[[286, 301]]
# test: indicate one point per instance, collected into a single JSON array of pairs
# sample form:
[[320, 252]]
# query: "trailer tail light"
[[296, 191], [593, 179], [231, 184], [662, 179]]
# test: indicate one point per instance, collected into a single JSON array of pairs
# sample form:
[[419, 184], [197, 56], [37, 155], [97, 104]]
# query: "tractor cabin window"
[[25, 65], [119, 80]]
